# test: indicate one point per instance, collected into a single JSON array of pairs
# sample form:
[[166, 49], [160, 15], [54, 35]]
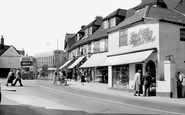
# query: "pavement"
[[103, 88]]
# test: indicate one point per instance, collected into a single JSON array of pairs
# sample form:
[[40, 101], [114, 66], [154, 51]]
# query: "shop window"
[[182, 34], [120, 76], [123, 38]]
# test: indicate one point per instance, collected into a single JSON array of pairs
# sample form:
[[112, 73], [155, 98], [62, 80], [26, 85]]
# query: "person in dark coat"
[[147, 82], [18, 77], [82, 77], [10, 77]]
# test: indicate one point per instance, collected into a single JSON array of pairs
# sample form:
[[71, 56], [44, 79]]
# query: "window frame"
[[182, 34], [123, 38]]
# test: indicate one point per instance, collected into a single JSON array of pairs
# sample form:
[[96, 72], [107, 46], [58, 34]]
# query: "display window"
[[120, 76]]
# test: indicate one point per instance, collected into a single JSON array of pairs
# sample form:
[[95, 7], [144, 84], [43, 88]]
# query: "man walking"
[[137, 84], [18, 77]]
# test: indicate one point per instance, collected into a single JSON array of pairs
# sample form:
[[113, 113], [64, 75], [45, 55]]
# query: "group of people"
[[14, 75], [139, 82], [180, 77], [59, 75]]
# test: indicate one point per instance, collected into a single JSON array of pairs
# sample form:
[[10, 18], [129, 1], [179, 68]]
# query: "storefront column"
[[169, 76], [110, 76]]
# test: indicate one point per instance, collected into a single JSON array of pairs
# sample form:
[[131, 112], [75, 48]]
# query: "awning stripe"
[[128, 58], [76, 62], [95, 60], [65, 64]]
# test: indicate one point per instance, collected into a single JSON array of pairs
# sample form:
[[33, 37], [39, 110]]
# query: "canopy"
[[65, 64], [128, 58], [95, 60], [76, 62]]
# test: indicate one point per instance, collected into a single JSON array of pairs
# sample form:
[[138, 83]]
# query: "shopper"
[[183, 84], [18, 77], [10, 77], [147, 82], [137, 83], [56, 74], [179, 85]]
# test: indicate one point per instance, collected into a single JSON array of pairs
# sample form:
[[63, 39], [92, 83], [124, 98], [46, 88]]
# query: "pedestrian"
[[179, 84], [75, 75], [137, 83], [10, 77], [182, 76], [18, 77], [55, 77], [147, 82], [82, 77]]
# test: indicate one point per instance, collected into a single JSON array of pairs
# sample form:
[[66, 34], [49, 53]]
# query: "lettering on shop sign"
[[142, 37]]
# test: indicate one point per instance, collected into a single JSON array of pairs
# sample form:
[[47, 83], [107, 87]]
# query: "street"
[[41, 97]]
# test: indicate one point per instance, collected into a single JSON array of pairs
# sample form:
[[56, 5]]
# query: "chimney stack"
[[2, 42]]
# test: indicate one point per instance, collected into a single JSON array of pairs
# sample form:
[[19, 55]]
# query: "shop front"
[[122, 68]]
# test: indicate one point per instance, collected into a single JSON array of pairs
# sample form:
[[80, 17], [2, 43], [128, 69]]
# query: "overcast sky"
[[35, 25]]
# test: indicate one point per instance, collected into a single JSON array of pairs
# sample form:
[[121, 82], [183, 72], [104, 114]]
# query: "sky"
[[37, 25]]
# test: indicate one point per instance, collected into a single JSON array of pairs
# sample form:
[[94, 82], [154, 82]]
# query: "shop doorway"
[[151, 67]]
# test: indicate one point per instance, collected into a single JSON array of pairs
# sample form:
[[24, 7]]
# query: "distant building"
[[54, 59], [9, 58]]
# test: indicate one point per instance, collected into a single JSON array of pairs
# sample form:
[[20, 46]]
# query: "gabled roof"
[[144, 3], [4, 49], [161, 14], [68, 35], [118, 12]]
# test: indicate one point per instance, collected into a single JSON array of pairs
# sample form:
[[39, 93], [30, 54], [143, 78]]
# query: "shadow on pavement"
[[34, 110]]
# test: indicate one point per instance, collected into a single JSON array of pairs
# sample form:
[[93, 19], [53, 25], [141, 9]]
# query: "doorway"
[[151, 67]]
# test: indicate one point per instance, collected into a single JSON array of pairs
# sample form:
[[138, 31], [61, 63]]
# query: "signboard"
[[26, 63]]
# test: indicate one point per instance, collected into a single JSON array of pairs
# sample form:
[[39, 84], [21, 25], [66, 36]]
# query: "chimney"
[[2, 42]]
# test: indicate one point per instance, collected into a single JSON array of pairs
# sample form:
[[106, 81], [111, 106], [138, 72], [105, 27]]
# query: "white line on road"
[[157, 110]]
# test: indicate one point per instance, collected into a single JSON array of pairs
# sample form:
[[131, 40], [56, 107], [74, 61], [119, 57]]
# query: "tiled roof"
[[68, 35], [97, 22], [100, 33], [162, 14], [166, 15], [132, 19], [4, 49], [118, 12], [144, 3]]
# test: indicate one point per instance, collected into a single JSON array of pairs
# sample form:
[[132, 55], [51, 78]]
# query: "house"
[[92, 44], [9, 58], [151, 34]]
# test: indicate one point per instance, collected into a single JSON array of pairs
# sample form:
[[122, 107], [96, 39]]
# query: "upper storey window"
[[106, 24], [86, 32], [90, 30], [182, 34], [112, 22], [123, 38], [109, 23]]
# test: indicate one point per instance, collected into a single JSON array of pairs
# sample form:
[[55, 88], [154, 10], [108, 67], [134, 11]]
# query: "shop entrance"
[[151, 67]]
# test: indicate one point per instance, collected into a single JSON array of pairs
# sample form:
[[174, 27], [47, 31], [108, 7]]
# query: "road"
[[41, 97]]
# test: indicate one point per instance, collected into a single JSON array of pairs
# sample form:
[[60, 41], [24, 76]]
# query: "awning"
[[76, 62], [128, 58], [95, 60], [65, 64]]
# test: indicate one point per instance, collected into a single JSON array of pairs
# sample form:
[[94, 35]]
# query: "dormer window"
[[90, 30], [106, 24], [112, 22], [86, 32]]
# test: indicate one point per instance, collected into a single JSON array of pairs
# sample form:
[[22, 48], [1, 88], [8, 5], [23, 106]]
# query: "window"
[[90, 30], [106, 24], [182, 34], [123, 38], [112, 22], [86, 32]]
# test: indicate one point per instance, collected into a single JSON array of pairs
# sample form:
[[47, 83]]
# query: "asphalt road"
[[41, 97]]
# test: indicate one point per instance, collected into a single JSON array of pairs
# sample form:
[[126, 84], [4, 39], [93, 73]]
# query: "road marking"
[[157, 110]]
